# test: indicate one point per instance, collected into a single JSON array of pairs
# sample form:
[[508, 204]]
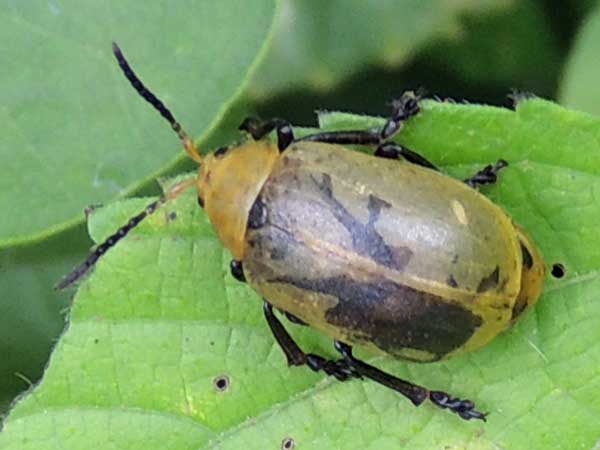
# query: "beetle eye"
[[221, 151]]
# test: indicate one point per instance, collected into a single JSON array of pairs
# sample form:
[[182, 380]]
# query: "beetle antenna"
[[137, 84], [101, 249]]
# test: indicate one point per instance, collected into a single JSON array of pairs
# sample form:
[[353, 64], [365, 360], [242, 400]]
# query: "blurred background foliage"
[[338, 55]]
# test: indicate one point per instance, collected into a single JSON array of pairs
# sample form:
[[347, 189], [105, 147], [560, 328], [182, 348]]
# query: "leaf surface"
[[160, 320], [74, 132]]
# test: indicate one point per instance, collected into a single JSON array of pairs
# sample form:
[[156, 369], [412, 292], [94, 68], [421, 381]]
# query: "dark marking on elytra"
[[325, 186], [451, 281], [258, 215], [279, 251], [375, 206], [272, 241], [527, 258], [365, 238], [391, 315], [489, 282]]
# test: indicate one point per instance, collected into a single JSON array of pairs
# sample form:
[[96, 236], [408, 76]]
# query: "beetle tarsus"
[[416, 394], [402, 109], [340, 369], [487, 175], [259, 129], [392, 150], [464, 408]]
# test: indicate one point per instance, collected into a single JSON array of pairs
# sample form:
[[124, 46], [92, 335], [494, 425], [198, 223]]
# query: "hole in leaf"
[[221, 383], [558, 270], [288, 444]]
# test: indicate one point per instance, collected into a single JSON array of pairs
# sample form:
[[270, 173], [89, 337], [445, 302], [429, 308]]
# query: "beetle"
[[382, 251]]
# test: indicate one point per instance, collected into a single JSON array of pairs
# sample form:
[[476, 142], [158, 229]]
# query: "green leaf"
[[31, 313], [318, 44], [580, 88], [73, 130], [160, 319]]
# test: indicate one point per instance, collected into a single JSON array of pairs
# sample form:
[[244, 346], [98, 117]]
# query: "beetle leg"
[[345, 137], [258, 130], [392, 150], [296, 357], [415, 393], [487, 175], [402, 109]]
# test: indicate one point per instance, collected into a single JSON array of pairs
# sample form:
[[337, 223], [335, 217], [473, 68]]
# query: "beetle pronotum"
[[391, 255]]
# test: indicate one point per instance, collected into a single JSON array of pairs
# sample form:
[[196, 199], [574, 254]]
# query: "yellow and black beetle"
[[394, 256]]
